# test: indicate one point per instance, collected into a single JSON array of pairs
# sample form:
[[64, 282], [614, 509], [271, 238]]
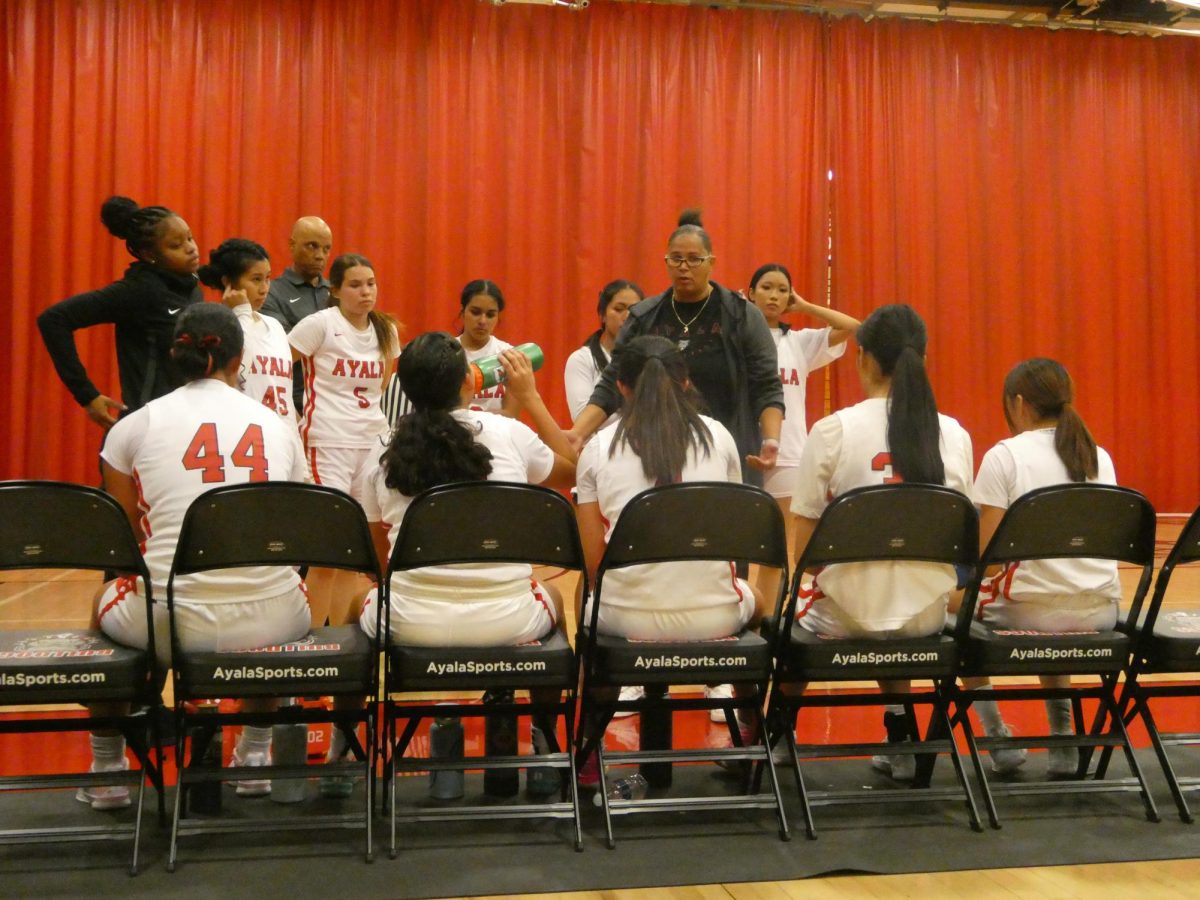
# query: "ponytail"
[[1047, 387], [430, 446], [914, 433], [895, 337], [659, 421]]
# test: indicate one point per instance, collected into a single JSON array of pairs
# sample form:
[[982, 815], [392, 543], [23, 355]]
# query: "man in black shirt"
[[302, 289]]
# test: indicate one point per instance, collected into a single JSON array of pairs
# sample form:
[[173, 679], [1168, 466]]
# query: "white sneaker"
[[629, 692], [897, 766], [259, 787], [1064, 762], [1005, 762], [718, 692], [103, 797]]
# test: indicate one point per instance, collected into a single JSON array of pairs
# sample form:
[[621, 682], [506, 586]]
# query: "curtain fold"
[[1031, 193], [445, 139]]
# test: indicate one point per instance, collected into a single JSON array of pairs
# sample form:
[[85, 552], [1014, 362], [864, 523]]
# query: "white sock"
[[255, 738], [1059, 713], [108, 752], [338, 745], [989, 715], [897, 708]]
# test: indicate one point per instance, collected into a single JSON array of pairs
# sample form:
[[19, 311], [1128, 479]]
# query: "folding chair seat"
[[481, 522], [1059, 522], [1165, 642], [696, 521], [277, 524], [54, 525], [886, 523]]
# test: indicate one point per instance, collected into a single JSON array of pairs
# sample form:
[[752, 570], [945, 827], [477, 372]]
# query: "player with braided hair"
[[143, 305]]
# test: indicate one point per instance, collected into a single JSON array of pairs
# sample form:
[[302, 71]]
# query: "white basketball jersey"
[[518, 455], [613, 480], [266, 361], [343, 381], [1015, 467], [848, 450], [801, 351], [489, 399], [198, 437]]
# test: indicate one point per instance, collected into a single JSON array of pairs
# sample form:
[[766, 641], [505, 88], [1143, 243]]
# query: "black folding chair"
[[482, 522], [1071, 521], [277, 524], [698, 521], [1165, 642], [885, 523], [54, 525]]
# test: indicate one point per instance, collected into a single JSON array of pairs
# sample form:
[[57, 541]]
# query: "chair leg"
[[939, 712], [763, 735], [964, 721], [137, 824], [1134, 766], [1160, 750], [603, 788], [369, 785]]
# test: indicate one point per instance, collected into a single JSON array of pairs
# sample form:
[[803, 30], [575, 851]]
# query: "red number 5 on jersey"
[[882, 462], [204, 454]]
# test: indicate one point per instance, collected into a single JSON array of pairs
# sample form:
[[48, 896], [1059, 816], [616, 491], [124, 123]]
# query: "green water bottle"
[[489, 371]]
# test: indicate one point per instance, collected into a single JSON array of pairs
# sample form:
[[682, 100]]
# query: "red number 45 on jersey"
[[204, 454]]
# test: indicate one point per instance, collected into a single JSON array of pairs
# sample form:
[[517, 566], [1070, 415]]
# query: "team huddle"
[[302, 378]]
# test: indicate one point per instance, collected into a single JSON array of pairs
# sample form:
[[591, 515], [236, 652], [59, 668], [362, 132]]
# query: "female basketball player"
[[143, 305], [895, 434], [587, 364], [1051, 445], [241, 270], [801, 351], [481, 303], [348, 351], [443, 439], [660, 438], [156, 461]]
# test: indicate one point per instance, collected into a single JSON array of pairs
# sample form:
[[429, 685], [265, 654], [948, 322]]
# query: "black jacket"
[[750, 356], [144, 306]]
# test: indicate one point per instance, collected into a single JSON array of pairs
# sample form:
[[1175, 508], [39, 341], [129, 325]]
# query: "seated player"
[[895, 434], [156, 461], [1050, 445]]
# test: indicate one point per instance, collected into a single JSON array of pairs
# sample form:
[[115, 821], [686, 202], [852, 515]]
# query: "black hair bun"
[[117, 215], [210, 276], [691, 216]]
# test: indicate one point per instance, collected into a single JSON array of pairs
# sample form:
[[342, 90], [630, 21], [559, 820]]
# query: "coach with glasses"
[[730, 355]]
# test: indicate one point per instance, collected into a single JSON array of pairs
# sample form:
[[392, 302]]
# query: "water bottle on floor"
[[289, 743], [446, 743], [631, 787], [205, 796], [500, 739]]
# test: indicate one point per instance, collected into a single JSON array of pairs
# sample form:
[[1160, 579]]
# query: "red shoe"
[[588, 774]]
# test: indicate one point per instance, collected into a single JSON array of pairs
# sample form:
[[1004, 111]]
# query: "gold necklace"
[[689, 322]]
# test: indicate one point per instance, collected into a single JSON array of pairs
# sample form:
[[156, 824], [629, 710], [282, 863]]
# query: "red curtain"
[[548, 151], [1031, 193]]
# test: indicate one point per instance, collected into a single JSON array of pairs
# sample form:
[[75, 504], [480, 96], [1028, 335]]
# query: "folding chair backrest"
[[912, 522], [1075, 521], [1186, 550], [702, 520], [274, 524], [56, 525], [488, 521], [1071, 521]]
